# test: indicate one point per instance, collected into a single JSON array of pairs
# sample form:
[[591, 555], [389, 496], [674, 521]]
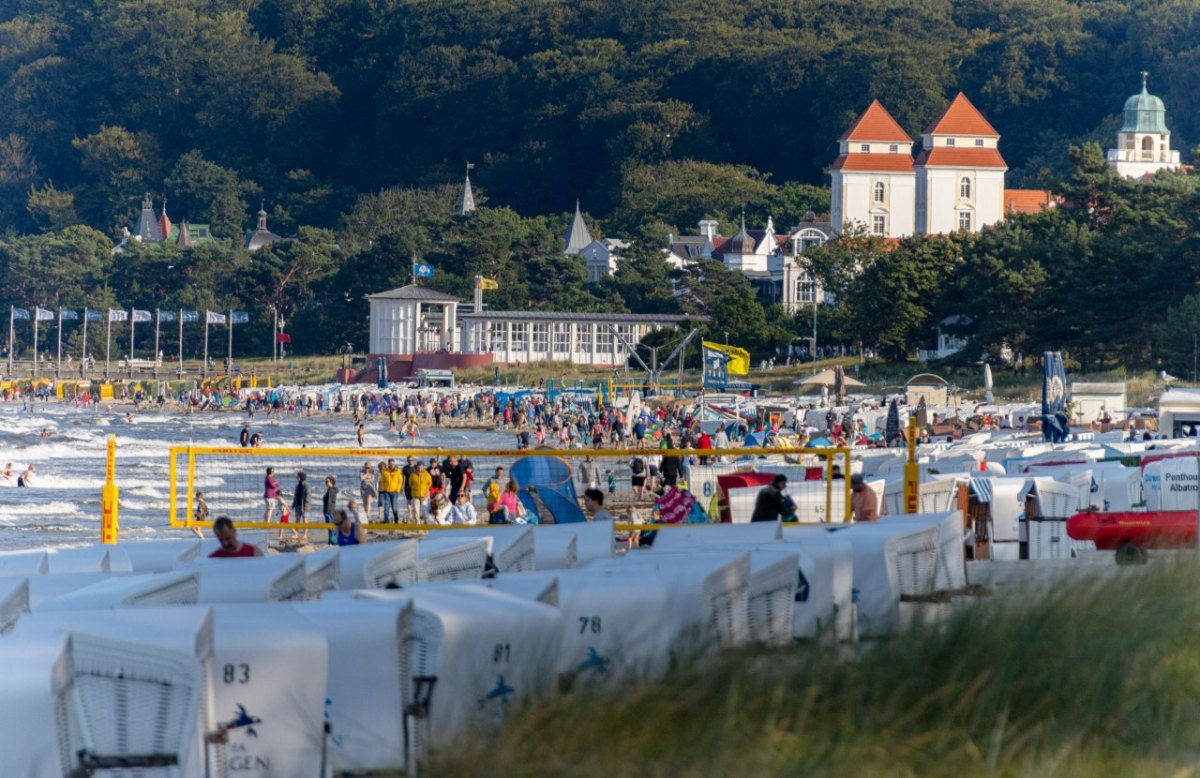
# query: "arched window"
[[1147, 144], [879, 190], [964, 188]]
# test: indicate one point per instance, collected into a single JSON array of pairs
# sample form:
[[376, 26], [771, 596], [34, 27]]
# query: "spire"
[[577, 236], [1145, 77], [164, 223], [147, 226], [467, 204], [262, 215], [184, 240], [261, 236]]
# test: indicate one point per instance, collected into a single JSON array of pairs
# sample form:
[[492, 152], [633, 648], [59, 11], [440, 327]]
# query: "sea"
[[67, 445]]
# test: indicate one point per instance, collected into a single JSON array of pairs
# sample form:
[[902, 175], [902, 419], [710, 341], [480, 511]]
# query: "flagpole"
[[132, 333], [157, 328], [83, 358], [58, 370], [204, 369], [229, 358], [108, 344], [181, 343], [36, 308], [11, 310]]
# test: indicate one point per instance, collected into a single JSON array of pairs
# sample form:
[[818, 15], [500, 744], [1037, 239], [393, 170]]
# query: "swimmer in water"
[[26, 478], [45, 432], [129, 418], [6, 473]]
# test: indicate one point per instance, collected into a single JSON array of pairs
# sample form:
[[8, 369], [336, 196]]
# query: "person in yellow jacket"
[[419, 484], [391, 482]]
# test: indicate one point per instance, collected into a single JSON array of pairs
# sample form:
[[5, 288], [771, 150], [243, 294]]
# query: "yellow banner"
[[487, 283], [739, 358]]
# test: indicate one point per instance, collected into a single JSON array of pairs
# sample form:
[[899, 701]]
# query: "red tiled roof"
[[942, 156], [1028, 200], [883, 163], [876, 124], [960, 118]]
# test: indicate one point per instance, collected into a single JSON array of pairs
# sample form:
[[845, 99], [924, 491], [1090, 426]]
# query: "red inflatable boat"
[[1146, 529]]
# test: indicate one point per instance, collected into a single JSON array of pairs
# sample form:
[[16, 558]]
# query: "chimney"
[[708, 228]]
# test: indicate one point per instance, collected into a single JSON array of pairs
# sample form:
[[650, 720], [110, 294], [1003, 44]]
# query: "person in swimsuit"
[[26, 478], [349, 533]]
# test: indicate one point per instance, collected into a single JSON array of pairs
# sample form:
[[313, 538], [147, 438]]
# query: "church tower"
[[872, 177], [1144, 142], [960, 173]]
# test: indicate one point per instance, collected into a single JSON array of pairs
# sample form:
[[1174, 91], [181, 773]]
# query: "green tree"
[[203, 191]]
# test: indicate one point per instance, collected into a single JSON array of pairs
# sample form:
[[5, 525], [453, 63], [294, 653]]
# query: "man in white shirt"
[[593, 502]]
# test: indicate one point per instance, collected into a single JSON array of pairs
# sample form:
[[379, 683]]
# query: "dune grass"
[[1095, 681]]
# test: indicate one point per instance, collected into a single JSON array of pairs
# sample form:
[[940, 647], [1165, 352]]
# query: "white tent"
[[181, 587], [24, 562], [365, 707], [88, 559], [593, 540], [35, 686], [322, 571], [159, 556], [272, 669], [278, 577], [511, 547], [891, 559], [14, 601], [489, 651], [44, 588], [375, 565], [826, 604], [611, 621], [708, 596], [452, 558], [177, 631], [935, 496], [950, 572]]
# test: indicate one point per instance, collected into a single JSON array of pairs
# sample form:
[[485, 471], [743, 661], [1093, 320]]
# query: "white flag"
[[118, 315], [215, 318], [142, 315], [44, 315]]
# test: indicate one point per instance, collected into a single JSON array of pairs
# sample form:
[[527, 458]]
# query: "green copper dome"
[[1145, 113]]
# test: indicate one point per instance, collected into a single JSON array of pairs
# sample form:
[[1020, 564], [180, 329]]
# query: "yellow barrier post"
[[109, 526], [912, 472]]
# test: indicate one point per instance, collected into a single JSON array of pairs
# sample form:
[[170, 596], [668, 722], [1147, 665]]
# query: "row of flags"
[[189, 317]]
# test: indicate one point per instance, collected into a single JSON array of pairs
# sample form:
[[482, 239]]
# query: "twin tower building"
[[956, 181]]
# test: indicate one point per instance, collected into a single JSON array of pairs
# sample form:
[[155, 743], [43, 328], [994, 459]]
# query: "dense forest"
[[354, 120]]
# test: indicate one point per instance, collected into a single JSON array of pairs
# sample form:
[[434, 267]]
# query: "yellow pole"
[[912, 472], [109, 504]]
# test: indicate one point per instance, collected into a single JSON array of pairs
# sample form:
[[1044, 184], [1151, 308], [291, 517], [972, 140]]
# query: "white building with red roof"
[[960, 173], [874, 184]]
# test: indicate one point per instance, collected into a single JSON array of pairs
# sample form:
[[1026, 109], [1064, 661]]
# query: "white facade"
[[880, 203], [959, 198], [515, 337], [412, 319]]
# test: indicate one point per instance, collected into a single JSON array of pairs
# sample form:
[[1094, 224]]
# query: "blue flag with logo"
[[241, 317], [90, 315], [20, 313], [166, 316], [716, 369], [1054, 398], [191, 317], [67, 315], [421, 270]]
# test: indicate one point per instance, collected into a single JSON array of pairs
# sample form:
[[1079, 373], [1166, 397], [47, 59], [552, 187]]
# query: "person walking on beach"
[[231, 547], [421, 483], [201, 512], [271, 497], [410, 469], [463, 512], [329, 499], [367, 489], [244, 437], [391, 480], [299, 505], [362, 436], [770, 505], [637, 479], [589, 473]]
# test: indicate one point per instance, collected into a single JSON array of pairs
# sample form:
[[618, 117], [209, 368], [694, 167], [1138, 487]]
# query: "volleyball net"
[[411, 490]]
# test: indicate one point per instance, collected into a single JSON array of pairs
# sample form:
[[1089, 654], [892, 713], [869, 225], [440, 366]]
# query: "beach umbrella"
[[892, 429], [922, 414], [827, 378], [989, 398]]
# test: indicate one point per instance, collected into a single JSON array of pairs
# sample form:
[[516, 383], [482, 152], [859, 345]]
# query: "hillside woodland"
[[353, 122]]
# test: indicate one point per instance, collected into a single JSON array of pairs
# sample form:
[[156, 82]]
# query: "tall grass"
[[1099, 680]]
